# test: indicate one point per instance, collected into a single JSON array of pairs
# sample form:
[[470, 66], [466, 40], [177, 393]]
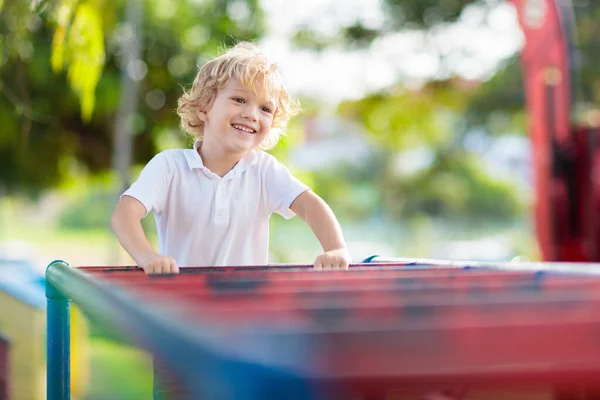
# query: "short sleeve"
[[151, 187], [282, 188]]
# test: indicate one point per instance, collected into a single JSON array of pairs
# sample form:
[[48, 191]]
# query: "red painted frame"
[[387, 327], [564, 156]]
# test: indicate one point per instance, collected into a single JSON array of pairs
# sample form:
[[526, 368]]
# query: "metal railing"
[[264, 361], [558, 267], [181, 347]]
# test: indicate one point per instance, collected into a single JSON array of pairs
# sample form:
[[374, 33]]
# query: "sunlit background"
[[413, 126]]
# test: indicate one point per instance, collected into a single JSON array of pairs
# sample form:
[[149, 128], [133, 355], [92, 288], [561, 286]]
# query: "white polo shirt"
[[205, 220]]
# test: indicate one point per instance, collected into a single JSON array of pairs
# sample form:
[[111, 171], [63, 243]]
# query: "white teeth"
[[243, 128]]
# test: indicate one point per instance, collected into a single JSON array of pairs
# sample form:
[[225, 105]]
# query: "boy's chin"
[[249, 142], [244, 147]]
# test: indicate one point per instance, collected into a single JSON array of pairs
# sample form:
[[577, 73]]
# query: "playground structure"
[[23, 332], [383, 326], [566, 156], [295, 332]]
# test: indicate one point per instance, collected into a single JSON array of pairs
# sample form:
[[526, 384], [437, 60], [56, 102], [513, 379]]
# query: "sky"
[[476, 46]]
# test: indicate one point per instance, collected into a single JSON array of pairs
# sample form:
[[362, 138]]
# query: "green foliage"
[[402, 118], [79, 43], [119, 371], [424, 14], [587, 81], [91, 211], [498, 104], [91, 208], [399, 15], [351, 200], [437, 117], [353, 191], [455, 187], [308, 38], [50, 119]]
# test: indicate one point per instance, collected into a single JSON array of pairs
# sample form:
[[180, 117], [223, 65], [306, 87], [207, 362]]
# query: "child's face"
[[238, 120]]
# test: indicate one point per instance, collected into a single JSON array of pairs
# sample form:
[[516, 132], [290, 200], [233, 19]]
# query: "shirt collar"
[[194, 160], [192, 157]]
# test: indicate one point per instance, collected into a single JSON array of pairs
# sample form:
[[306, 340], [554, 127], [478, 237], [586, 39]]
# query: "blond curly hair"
[[245, 62]]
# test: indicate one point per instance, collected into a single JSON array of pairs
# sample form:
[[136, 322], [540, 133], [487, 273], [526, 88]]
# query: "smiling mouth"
[[244, 129]]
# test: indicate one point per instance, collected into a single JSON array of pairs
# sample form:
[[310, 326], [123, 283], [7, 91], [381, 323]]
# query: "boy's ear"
[[202, 115]]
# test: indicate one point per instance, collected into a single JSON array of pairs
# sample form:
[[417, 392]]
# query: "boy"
[[212, 203]]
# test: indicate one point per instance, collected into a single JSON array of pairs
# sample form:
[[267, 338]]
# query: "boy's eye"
[[238, 99], [266, 109]]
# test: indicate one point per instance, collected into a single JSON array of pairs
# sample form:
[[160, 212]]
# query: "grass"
[[118, 372]]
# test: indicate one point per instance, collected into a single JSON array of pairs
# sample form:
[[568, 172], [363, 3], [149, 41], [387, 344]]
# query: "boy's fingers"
[[164, 265], [168, 265], [174, 267], [325, 262], [157, 269]]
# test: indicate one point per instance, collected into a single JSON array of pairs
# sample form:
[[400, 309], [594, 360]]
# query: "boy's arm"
[[321, 219], [126, 222]]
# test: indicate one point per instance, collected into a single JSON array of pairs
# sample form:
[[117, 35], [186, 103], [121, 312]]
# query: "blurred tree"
[[587, 15], [453, 183], [441, 113], [400, 15], [400, 118], [503, 93], [454, 186], [60, 63]]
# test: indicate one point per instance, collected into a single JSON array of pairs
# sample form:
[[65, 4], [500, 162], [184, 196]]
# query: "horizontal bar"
[[313, 273], [477, 296], [213, 286], [182, 348], [566, 267], [438, 306], [246, 284], [235, 268], [376, 262], [336, 313]]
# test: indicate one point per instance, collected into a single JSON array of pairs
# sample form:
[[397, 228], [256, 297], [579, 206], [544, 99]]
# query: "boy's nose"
[[250, 113]]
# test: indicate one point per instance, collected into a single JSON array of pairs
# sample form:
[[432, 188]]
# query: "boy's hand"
[[339, 258], [157, 264]]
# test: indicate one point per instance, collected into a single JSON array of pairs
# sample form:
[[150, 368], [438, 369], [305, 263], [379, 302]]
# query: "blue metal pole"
[[58, 350]]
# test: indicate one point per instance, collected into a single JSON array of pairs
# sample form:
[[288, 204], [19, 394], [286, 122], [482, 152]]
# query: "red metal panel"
[[378, 328], [548, 69]]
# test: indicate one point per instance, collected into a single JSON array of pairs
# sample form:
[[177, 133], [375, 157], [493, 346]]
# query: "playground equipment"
[[23, 325], [295, 332], [566, 156]]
